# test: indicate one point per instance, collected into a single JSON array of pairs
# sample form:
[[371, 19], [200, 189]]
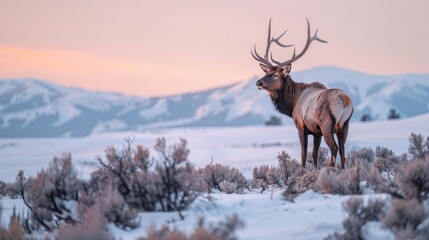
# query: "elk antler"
[[276, 40], [270, 40]]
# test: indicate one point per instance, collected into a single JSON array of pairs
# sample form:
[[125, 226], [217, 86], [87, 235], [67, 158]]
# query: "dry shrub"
[[119, 170], [381, 177], [384, 169], [228, 187], [359, 214], [351, 178], [110, 204], [265, 176], [260, 179], [378, 183], [261, 173], [164, 233], [275, 177], [11, 190], [92, 226], [419, 147], [224, 230], [383, 172], [383, 152], [258, 184], [414, 179], [411, 178], [288, 166], [363, 158], [327, 181], [333, 181], [14, 231], [223, 178], [127, 183], [424, 230], [308, 181], [177, 182], [170, 185], [292, 190], [406, 180], [322, 156], [363, 154], [52, 195], [390, 164], [288, 170], [3, 192], [404, 217]]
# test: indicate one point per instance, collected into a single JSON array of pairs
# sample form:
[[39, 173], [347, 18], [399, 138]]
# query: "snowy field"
[[266, 216]]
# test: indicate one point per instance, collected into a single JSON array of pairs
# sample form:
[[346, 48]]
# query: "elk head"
[[276, 71]]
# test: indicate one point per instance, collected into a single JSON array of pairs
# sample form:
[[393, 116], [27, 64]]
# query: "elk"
[[315, 109]]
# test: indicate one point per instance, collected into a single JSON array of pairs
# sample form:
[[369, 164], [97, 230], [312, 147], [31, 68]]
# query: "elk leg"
[[303, 139], [328, 135], [316, 144], [342, 137]]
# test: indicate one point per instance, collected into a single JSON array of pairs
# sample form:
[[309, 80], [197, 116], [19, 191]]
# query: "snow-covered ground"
[[238, 147], [267, 215]]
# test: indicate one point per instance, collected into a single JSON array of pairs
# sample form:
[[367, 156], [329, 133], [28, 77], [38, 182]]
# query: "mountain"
[[33, 108], [375, 94]]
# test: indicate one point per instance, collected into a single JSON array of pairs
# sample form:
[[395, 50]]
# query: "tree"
[[418, 147], [366, 118], [273, 121], [393, 114]]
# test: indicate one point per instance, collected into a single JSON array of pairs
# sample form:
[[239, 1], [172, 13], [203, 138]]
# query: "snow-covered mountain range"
[[33, 108]]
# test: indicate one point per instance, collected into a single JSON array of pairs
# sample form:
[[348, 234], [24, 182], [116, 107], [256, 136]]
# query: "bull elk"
[[315, 110]]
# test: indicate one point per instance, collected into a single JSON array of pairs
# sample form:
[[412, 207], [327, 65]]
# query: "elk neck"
[[284, 100]]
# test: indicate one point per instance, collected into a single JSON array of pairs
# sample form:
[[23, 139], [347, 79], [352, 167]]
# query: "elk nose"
[[259, 83]]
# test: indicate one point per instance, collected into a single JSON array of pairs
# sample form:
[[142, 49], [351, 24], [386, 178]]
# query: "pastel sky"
[[155, 48]]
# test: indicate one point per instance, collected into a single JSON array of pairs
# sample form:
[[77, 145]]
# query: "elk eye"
[[276, 75]]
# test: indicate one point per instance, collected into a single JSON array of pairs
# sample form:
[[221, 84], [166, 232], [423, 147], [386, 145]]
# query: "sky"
[[157, 48]]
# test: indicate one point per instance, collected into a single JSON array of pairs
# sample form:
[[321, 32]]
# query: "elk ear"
[[265, 68], [287, 69]]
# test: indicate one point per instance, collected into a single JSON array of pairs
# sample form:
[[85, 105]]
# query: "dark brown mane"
[[317, 85], [284, 100]]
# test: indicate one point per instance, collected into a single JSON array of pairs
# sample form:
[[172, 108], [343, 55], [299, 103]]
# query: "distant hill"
[[33, 108]]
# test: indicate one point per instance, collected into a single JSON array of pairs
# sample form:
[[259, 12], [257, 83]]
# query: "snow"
[[374, 230], [160, 108], [241, 99], [26, 91], [114, 124], [66, 112], [212, 107], [52, 100], [379, 102], [238, 147], [266, 216]]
